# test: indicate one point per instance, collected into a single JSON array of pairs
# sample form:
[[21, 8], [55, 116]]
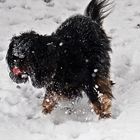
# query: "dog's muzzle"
[[18, 75]]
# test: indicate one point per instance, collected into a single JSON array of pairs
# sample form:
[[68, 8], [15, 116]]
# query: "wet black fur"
[[70, 59]]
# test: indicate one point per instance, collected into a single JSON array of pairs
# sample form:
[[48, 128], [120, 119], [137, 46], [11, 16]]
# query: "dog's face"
[[32, 55], [17, 59]]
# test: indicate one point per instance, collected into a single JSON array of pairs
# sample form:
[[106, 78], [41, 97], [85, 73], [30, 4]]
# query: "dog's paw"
[[102, 107], [105, 116], [46, 110]]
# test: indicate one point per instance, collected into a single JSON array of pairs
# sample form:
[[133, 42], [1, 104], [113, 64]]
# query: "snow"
[[20, 105]]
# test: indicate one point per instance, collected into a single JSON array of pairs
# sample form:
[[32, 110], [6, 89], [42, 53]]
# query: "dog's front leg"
[[49, 102]]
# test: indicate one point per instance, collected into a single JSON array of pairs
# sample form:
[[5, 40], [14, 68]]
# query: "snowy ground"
[[20, 107]]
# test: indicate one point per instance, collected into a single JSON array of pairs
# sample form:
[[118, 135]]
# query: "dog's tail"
[[97, 10]]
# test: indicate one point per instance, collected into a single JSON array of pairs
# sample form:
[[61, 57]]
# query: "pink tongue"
[[16, 71]]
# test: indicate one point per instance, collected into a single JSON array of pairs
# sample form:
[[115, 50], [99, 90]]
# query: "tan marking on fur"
[[103, 106], [50, 101], [105, 87]]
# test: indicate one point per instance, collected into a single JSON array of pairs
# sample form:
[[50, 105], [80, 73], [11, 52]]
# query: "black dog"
[[74, 58]]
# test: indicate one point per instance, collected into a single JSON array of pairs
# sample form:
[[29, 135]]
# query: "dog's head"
[[17, 57], [31, 55]]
